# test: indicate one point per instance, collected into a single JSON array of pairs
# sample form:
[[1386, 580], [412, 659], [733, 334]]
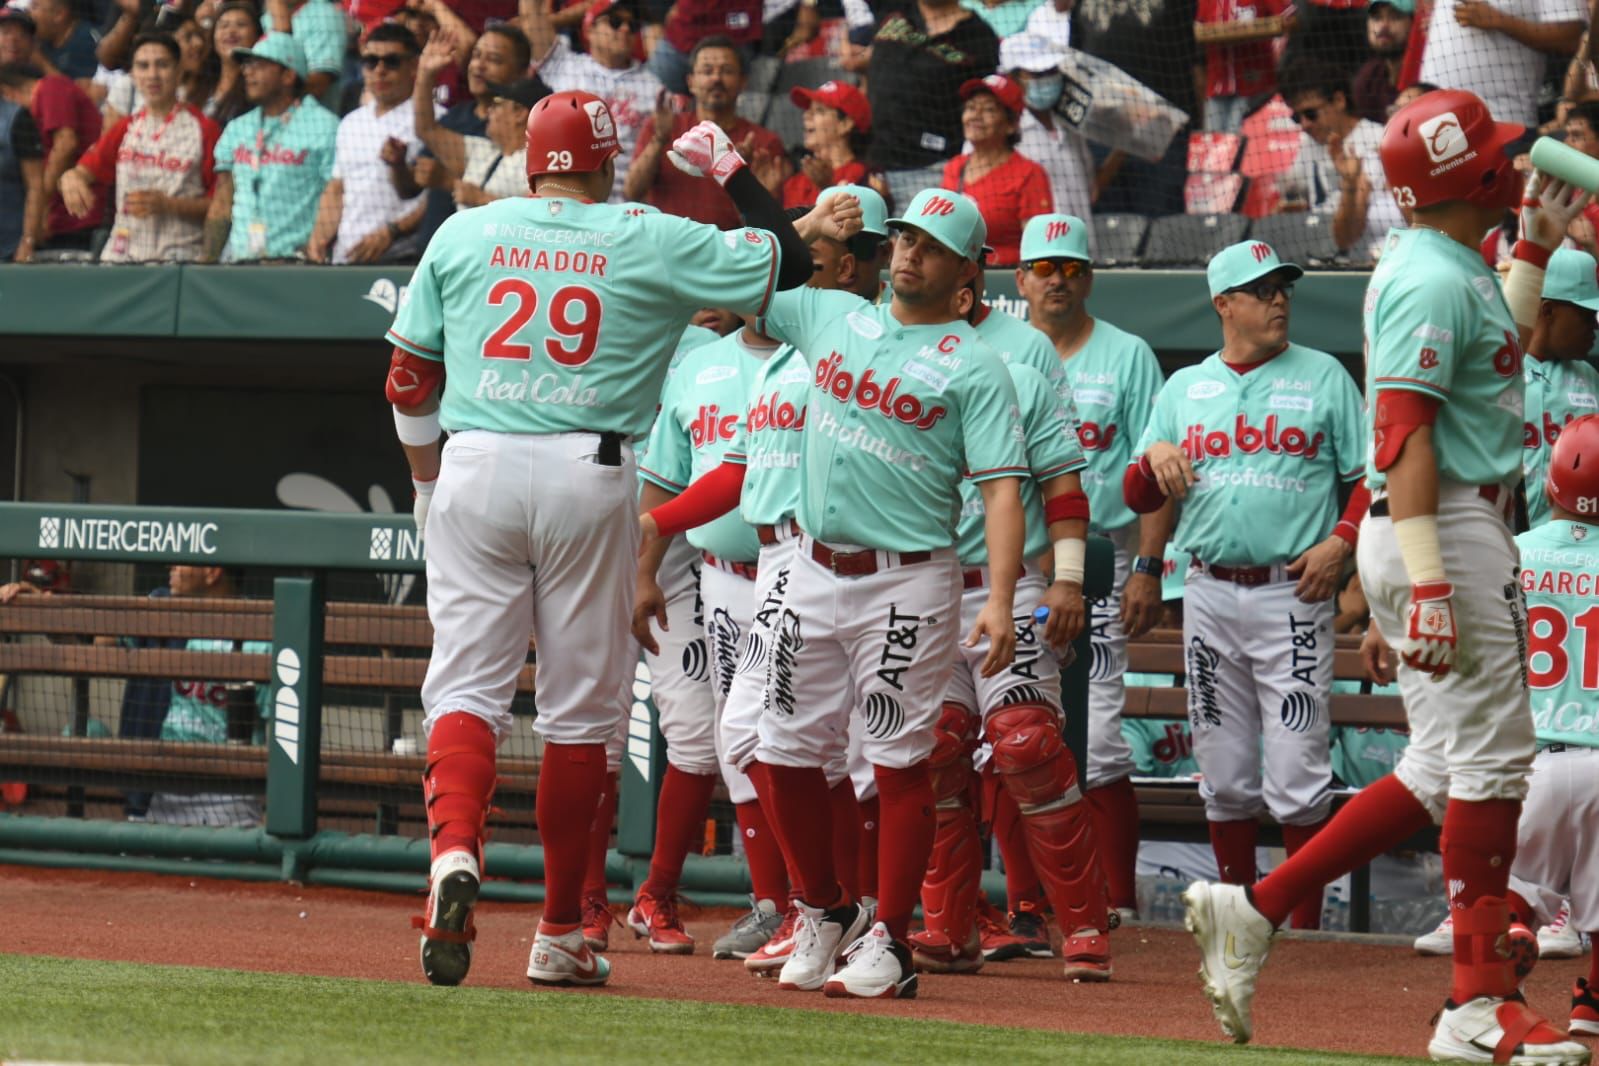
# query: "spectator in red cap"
[[610, 69], [1009, 188], [838, 127]]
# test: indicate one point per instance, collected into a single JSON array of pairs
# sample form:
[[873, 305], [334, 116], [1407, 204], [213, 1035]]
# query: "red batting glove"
[[705, 151], [1431, 636]]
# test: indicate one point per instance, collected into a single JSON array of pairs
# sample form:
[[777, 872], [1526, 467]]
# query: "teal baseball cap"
[[874, 212], [950, 218], [279, 48], [1572, 277], [1244, 262], [1055, 237], [1404, 7]]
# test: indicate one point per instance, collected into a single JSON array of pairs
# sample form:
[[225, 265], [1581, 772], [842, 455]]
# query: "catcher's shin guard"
[[458, 784], [1039, 771], [954, 871]]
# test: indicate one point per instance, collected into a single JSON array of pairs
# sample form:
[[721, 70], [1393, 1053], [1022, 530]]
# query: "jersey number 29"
[[583, 330]]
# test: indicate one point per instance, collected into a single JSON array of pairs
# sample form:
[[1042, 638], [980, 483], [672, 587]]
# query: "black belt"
[[1555, 749]]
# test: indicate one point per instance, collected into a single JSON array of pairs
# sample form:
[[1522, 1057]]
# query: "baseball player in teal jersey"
[[1018, 710], [906, 400], [551, 321], [702, 408], [855, 265], [1438, 566], [1557, 850], [1271, 430], [1561, 385], [1114, 377], [1017, 341]]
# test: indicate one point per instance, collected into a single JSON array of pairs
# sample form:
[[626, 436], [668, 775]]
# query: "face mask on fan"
[[1043, 93]]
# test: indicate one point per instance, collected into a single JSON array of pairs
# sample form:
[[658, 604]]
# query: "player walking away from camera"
[[905, 402], [550, 320], [760, 475], [1561, 385], [1557, 851], [1443, 371], [1254, 444], [1018, 712], [1113, 377]]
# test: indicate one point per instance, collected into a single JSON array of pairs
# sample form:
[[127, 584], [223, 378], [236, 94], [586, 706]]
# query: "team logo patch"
[[1299, 712], [884, 716], [711, 375], [1429, 358], [1444, 137], [1099, 662], [863, 325], [600, 119], [1204, 390], [696, 660], [1579, 532], [722, 634], [754, 659], [1204, 708]]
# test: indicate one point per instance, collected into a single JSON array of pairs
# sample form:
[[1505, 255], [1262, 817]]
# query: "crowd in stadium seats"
[[344, 131]]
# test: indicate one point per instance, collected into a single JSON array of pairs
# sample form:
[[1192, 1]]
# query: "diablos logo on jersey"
[[884, 398], [1276, 438], [710, 425], [774, 412]]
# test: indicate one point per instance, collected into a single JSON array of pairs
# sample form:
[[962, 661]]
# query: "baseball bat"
[[1560, 160]]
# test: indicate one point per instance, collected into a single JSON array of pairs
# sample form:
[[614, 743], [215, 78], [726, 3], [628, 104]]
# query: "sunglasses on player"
[[1266, 291], [617, 20], [389, 61], [1069, 268]]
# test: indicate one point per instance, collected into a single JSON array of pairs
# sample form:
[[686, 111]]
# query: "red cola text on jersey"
[[1276, 438], [872, 395]]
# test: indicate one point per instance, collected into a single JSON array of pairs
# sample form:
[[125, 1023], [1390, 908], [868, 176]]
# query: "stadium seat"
[[1214, 153], [1190, 240], [1303, 237], [753, 106], [1212, 194], [1117, 239]]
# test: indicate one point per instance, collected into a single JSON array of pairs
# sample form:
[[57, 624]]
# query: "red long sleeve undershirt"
[[706, 500]]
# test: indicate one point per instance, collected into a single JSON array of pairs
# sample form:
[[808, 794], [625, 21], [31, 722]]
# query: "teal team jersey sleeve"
[[1114, 379], [799, 316], [1348, 424], [419, 322], [719, 268], [990, 415], [1419, 331], [669, 459], [1048, 425]]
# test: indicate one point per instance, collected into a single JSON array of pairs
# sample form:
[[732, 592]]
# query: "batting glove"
[[1431, 637], [704, 151], [419, 505]]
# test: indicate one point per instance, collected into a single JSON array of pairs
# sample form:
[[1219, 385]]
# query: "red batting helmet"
[[1574, 467], [569, 133], [1446, 146]]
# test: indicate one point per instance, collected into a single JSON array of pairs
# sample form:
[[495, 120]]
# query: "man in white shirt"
[[1338, 172], [1052, 20], [1034, 61], [608, 69], [361, 218], [1497, 50]]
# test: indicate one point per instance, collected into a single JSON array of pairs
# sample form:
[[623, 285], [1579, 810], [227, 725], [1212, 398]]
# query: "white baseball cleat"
[[565, 960], [447, 929], [1441, 941], [819, 936], [880, 967], [1560, 939], [1490, 1029], [1233, 939]]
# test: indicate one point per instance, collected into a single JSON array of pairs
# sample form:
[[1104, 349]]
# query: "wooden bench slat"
[[1348, 709], [168, 618]]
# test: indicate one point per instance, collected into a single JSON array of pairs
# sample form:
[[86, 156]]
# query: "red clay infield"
[[1314, 994]]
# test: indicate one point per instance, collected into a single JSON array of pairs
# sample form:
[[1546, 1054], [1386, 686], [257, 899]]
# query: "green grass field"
[[112, 1012]]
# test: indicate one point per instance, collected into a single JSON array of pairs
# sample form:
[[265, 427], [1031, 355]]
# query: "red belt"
[[768, 534], [973, 579], [1491, 493], [861, 563], [1248, 576], [743, 570]]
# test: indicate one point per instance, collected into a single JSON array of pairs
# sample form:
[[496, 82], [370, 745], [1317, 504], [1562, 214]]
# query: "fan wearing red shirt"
[[1240, 61], [159, 160], [838, 127], [1009, 188], [67, 120]]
